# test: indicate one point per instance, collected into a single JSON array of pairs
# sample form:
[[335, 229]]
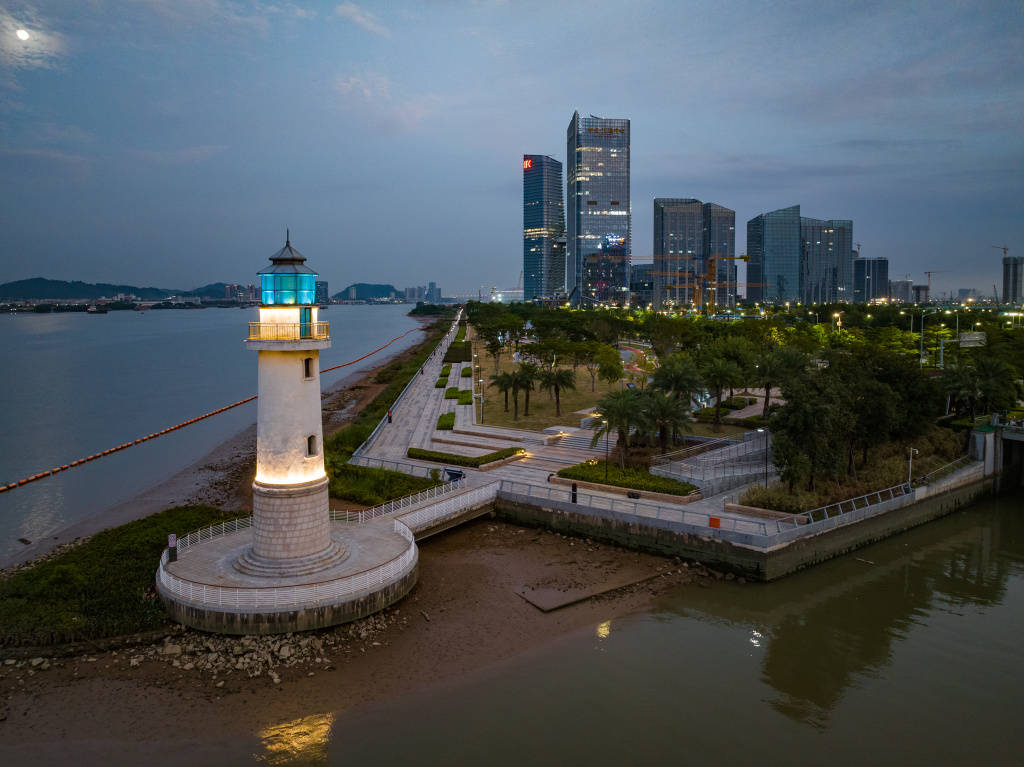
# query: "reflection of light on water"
[[604, 629], [755, 638], [300, 741]]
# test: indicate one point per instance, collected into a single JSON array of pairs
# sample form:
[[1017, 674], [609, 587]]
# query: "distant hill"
[[213, 290], [364, 291], [40, 288]]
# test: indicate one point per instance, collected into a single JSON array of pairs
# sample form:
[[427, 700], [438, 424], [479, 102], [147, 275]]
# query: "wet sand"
[[463, 617]]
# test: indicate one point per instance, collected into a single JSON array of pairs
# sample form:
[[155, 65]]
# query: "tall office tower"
[[773, 250], [1013, 266], [826, 262], [433, 293], [719, 252], [322, 294], [870, 279], [599, 241], [641, 285], [678, 250], [543, 228]]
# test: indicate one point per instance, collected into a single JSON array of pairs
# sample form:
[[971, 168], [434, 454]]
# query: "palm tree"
[[680, 377], [524, 376], [768, 371], [666, 415], [620, 410], [995, 384], [719, 373], [503, 383], [554, 381]]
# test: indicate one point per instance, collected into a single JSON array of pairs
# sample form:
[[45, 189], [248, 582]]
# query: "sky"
[[171, 143]]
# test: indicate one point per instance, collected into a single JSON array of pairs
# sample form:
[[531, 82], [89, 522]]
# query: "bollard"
[[172, 548], [574, 492]]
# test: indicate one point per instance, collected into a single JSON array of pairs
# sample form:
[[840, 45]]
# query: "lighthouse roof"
[[287, 261]]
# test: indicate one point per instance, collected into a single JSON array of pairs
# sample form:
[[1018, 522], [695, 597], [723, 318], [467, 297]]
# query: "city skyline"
[[150, 142]]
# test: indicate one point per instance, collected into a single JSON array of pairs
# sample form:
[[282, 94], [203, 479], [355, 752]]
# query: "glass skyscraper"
[[694, 244], [870, 279], [799, 259], [543, 228], [826, 261], [720, 251], [773, 250], [1013, 268], [599, 241]]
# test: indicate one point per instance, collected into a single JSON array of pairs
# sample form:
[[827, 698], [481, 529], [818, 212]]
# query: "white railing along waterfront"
[[830, 511], [398, 504], [213, 531], [688, 452], [402, 466], [452, 506], [208, 595], [944, 471]]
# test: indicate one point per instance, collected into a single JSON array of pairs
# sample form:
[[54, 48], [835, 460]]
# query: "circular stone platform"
[[204, 588]]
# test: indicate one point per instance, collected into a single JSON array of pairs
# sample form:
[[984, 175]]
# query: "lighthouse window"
[[311, 445], [307, 368]]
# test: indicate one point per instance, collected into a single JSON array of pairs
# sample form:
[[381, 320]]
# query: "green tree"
[[719, 374], [503, 382], [680, 377], [995, 384], [609, 364], [666, 415], [555, 381], [525, 377], [620, 411]]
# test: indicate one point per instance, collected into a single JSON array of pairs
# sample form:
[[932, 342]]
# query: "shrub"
[[372, 486], [99, 589], [465, 396], [446, 371], [467, 372], [462, 460], [633, 478], [446, 421], [738, 403], [452, 392], [459, 351], [440, 383]]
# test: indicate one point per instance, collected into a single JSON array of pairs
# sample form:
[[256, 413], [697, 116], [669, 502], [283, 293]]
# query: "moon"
[[22, 34]]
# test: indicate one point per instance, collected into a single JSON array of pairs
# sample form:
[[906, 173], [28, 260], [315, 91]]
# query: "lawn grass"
[[103, 588], [462, 460], [633, 478], [371, 487]]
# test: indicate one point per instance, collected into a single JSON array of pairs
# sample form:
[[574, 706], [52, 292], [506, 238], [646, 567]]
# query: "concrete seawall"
[[659, 537]]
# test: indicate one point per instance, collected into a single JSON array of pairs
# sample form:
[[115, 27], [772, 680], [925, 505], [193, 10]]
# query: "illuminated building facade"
[[1013, 267], [543, 228], [773, 247], [599, 239], [694, 246]]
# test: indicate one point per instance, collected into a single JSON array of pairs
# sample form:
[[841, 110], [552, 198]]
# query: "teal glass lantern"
[[288, 281]]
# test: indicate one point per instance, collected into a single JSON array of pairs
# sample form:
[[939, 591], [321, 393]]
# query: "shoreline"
[[218, 478]]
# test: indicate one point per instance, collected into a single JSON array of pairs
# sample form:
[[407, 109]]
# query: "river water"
[[907, 652], [77, 384]]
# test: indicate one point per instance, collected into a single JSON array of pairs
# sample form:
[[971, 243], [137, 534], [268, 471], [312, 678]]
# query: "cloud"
[[41, 50], [180, 156], [362, 18], [370, 96], [44, 163], [210, 12]]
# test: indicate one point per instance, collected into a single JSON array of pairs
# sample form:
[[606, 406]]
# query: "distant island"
[[365, 291], [41, 289]]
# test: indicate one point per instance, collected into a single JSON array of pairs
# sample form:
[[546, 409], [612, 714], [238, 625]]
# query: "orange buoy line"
[[169, 429]]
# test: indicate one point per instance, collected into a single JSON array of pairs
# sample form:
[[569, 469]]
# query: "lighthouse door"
[[306, 323]]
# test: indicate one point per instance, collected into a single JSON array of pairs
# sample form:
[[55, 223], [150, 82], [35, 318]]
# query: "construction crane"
[[928, 297], [1002, 248], [519, 285]]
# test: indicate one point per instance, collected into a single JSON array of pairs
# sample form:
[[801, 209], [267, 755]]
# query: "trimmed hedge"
[[738, 403], [634, 479], [467, 372], [459, 351], [462, 460], [440, 383], [446, 421], [465, 396], [446, 371], [452, 392]]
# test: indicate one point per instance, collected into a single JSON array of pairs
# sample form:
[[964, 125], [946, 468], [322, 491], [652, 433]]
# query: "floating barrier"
[[14, 485]]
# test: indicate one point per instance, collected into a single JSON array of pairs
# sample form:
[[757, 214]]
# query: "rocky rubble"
[[217, 656]]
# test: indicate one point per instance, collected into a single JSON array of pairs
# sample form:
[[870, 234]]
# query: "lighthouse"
[[291, 516], [289, 567]]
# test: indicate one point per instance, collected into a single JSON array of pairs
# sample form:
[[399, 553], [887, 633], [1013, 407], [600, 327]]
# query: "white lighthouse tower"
[[291, 517], [288, 567]]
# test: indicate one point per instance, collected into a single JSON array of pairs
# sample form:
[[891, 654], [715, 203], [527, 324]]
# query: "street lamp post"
[[481, 382], [910, 465], [765, 432], [605, 450]]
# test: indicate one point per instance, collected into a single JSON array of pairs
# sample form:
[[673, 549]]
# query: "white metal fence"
[[307, 595], [398, 504]]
